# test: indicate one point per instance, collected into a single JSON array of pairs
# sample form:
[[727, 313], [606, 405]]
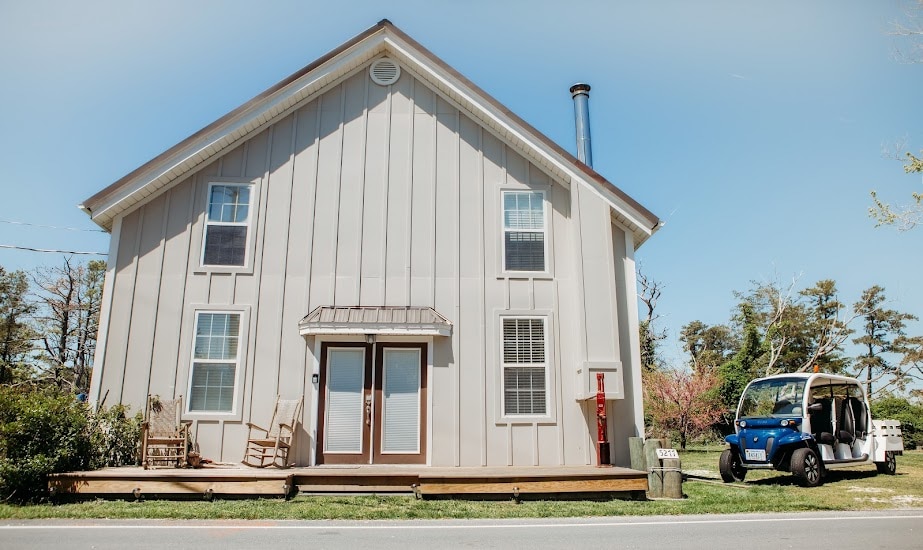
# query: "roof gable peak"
[[175, 164]]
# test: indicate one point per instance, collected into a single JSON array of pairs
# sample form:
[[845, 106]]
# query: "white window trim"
[[243, 339], [252, 217], [550, 379], [548, 272]]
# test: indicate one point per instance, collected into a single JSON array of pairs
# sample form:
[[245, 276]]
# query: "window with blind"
[[524, 231], [215, 360], [227, 225], [525, 369]]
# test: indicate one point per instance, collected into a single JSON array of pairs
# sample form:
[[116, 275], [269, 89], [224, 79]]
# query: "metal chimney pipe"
[[581, 95]]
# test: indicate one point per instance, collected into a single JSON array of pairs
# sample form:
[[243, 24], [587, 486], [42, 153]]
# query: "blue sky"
[[753, 129]]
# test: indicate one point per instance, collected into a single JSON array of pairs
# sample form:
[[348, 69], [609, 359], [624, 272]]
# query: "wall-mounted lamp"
[[315, 378], [369, 338]]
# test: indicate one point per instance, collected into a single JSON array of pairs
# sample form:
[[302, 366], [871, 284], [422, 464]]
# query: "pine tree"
[[882, 335], [708, 346], [829, 331]]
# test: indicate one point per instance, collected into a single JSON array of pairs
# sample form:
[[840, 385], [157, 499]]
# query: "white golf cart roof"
[[814, 378]]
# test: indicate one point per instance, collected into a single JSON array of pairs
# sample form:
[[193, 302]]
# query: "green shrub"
[[116, 437], [46, 430], [41, 431]]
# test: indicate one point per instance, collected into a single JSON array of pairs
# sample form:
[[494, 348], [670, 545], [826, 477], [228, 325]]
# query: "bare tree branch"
[[67, 321], [777, 338], [834, 333], [908, 47], [650, 293], [649, 335]]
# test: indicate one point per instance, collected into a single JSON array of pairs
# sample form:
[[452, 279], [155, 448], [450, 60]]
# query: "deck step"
[[346, 488]]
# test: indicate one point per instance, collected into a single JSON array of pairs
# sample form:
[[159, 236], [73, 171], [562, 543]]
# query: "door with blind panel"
[[344, 417], [399, 423], [372, 415]]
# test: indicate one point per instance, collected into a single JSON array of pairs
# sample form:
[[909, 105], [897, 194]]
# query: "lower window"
[[525, 370], [215, 361]]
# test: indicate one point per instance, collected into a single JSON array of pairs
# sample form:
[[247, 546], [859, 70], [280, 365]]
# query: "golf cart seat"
[[822, 422], [860, 416], [846, 425]]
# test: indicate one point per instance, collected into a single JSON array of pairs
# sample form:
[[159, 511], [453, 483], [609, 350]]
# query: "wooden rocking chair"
[[271, 447], [164, 436]]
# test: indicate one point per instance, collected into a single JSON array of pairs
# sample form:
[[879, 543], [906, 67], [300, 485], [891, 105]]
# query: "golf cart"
[[807, 423]]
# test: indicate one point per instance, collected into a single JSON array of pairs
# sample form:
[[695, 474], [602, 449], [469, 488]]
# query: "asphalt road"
[[866, 530]]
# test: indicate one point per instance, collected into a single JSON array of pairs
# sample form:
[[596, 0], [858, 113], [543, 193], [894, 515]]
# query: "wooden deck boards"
[[422, 480]]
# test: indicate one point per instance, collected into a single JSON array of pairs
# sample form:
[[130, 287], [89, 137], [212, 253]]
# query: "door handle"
[[368, 410]]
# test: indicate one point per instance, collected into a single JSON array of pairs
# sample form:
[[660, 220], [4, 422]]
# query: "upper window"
[[524, 231], [227, 225], [215, 362], [525, 369]]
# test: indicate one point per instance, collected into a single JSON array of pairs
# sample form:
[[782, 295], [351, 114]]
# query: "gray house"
[[437, 279]]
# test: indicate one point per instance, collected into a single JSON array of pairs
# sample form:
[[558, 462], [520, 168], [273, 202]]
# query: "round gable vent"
[[384, 71]]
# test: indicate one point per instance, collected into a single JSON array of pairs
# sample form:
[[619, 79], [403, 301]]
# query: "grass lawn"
[[764, 491]]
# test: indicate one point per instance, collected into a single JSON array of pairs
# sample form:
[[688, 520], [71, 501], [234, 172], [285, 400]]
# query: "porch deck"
[[239, 480]]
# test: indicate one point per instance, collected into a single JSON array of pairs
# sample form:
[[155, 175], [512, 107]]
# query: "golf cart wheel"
[[730, 467], [806, 467], [889, 466]]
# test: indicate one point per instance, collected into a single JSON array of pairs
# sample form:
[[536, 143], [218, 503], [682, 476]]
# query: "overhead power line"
[[13, 247], [52, 226]]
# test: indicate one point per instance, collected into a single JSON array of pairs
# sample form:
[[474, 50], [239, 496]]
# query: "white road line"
[[260, 524]]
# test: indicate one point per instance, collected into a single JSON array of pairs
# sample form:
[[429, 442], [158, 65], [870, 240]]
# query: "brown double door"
[[372, 403]]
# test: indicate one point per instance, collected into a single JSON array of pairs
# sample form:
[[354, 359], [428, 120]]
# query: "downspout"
[[581, 117]]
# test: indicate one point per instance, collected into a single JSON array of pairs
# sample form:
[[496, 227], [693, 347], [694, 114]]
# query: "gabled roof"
[[184, 158]]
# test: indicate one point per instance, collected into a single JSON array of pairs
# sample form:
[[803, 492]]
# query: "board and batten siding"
[[371, 195]]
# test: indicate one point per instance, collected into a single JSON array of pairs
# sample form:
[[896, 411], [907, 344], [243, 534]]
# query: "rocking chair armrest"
[[286, 426], [253, 426]]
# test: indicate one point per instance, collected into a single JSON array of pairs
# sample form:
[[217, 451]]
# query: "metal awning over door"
[[390, 320]]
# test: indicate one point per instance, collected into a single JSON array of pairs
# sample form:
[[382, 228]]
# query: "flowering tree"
[[681, 402]]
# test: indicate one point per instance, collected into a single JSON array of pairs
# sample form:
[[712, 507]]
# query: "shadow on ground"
[[833, 476]]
